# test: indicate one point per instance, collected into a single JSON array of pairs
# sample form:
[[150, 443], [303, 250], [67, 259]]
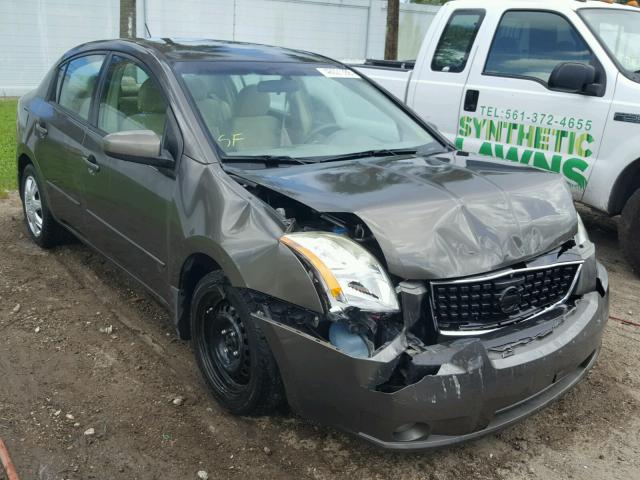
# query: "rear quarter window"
[[76, 85], [455, 44]]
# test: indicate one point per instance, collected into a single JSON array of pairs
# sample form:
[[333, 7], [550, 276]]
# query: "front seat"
[[128, 100], [251, 122], [152, 110], [215, 112]]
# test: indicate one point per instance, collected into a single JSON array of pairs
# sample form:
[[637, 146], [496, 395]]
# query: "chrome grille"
[[491, 301]]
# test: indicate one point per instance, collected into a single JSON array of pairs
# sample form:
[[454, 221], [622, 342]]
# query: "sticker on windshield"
[[337, 73]]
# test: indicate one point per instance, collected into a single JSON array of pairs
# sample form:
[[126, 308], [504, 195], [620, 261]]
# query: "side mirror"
[[576, 78], [137, 146]]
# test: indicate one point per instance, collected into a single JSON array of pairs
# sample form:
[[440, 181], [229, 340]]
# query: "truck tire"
[[231, 351], [629, 231], [42, 227]]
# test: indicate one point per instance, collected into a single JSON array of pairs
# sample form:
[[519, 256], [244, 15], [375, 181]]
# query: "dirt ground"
[[82, 347]]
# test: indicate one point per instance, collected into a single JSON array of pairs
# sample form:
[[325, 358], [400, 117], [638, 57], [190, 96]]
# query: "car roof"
[[540, 4], [189, 49]]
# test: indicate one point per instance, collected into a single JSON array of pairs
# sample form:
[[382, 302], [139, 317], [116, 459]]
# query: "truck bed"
[[393, 75]]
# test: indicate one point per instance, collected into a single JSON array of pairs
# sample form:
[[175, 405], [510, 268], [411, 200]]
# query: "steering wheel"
[[324, 130]]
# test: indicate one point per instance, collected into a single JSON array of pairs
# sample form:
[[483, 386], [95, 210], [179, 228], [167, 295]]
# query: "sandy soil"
[[63, 372]]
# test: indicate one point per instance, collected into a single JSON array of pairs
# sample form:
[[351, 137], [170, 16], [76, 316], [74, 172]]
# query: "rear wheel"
[[231, 351], [629, 231], [42, 227]]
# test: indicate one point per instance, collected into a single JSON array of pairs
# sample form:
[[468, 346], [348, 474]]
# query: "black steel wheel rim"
[[225, 347]]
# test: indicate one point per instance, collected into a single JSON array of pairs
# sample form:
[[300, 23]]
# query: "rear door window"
[[531, 44], [453, 49], [78, 84]]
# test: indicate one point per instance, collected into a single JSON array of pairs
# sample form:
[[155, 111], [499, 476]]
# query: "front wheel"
[[629, 231], [231, 351]]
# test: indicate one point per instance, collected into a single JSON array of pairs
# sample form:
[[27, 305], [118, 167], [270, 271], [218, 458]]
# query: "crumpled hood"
[[438, 218]]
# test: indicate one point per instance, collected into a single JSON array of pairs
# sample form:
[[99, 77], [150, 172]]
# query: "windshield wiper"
[[266, 159], [425, 151], [368, 153]]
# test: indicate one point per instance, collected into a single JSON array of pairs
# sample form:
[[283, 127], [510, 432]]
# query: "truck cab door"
[[511, 110], [443, 68]]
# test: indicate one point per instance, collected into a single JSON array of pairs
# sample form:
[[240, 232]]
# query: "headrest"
[[216, 84], [128, 86], [150, 99], [197, 87], [252, 103]]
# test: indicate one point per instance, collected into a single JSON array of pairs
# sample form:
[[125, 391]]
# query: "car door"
[[444, 70], [60, 127], [510, 113], [127, 202]]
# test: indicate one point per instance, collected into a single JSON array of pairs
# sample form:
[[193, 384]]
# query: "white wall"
[[186, 18], [34, 33], [343, 29], [332, 28], [414, 23]]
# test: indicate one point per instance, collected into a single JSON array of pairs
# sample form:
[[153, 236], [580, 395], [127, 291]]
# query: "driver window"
[[531, 44], [131, 100]]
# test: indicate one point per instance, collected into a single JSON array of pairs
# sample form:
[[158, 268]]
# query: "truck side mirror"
[[576, 78]]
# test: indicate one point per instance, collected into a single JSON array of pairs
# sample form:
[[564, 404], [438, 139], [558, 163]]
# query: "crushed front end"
[[464, 357], [457, 299]]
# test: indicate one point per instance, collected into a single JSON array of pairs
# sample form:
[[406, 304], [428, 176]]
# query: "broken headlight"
[[588, 273], [582, 236], [350, 275]]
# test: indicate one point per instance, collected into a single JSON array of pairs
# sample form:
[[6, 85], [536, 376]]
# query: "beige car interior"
[[242, 120], [248, 119], [132, 101]]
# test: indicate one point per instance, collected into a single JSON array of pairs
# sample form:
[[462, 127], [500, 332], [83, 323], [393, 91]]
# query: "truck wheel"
[[629, 231], [42, 227], [231, 351]]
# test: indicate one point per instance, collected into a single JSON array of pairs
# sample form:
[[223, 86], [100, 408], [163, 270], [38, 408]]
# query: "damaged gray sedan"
[[318, 243]]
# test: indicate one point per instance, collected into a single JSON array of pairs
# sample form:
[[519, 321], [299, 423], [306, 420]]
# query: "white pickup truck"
[[554, 84]]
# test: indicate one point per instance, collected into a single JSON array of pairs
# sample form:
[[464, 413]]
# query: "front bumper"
[[481, 385]]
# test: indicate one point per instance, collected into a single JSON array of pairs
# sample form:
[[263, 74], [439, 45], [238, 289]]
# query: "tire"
[[629, 231], [41, 226], [231, 351]]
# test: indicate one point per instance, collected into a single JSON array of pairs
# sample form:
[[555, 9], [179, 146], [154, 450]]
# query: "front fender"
[[216, 217]]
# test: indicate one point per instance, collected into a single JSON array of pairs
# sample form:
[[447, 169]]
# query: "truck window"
[[456, 41], [619, 32], [530, 45]]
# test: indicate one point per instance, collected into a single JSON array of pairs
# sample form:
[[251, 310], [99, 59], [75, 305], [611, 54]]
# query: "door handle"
[[91, 163], [41, 130], [471, 100]]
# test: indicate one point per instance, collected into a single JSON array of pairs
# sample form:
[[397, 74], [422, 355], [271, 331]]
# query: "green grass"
[[7, 144]]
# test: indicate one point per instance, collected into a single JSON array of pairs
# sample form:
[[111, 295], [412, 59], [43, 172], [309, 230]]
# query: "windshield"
[[297, 110], [619, 32]]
